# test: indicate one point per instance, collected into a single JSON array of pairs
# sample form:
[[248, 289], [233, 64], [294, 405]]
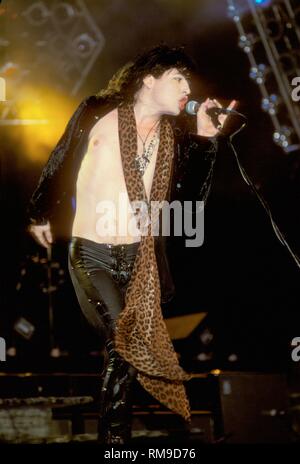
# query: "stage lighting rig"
[[56, 43], [269, 34]]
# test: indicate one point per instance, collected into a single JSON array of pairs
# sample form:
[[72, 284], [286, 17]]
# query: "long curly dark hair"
[[124, 84]]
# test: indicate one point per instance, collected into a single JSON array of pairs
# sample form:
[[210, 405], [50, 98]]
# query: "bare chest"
[[102, 165]]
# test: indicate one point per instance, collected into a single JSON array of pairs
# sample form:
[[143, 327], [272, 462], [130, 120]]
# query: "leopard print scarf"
[[142, 338]]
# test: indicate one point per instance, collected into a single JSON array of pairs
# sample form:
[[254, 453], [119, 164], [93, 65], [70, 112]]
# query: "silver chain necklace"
[[142, 161]]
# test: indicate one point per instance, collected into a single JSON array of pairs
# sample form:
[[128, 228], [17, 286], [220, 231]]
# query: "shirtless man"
[[102, 253]]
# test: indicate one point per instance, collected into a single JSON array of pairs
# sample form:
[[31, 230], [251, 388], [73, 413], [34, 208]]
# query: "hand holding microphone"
[[211, 116]]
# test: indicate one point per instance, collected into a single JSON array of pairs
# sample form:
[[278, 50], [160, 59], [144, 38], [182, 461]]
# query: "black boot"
[[115, 402]]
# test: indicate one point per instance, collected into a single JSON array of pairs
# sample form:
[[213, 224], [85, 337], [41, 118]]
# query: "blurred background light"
[[37, 14], [282, 137], [270, 104], [24, 328], [84, 45], [263, 3], [246, 42], [258, 73], [47, 108], [63, 12]]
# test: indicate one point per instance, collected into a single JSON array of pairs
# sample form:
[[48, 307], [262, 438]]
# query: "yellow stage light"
[[43, 118]]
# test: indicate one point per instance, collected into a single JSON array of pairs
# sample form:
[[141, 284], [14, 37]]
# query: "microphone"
[[193, 106]]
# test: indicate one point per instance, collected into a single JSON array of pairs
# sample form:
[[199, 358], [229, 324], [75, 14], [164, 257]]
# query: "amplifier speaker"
[[252, 408]]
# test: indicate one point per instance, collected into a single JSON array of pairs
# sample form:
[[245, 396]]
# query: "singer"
[[127, 140]]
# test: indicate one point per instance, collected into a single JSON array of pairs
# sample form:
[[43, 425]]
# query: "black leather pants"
[[100, 274]]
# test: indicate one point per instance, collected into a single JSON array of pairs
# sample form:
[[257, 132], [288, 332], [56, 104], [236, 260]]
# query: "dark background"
[[242, 276]]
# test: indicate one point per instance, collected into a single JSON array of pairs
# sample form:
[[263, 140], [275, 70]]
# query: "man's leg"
[[116, 400], [100, 275]]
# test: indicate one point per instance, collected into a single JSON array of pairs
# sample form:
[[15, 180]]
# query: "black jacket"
[[192, 170]]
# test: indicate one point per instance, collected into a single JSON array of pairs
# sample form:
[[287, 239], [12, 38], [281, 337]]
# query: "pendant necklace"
[[143, 160]]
